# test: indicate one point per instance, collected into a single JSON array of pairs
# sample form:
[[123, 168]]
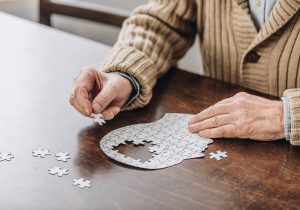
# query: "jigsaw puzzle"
[[172, 142]]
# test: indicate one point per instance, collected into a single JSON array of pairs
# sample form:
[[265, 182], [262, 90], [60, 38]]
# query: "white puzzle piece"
[[6, 156], [62, 156], [98, 118], [81, 183], [40, 152], [59, 171], [171, 140], [218, 155]]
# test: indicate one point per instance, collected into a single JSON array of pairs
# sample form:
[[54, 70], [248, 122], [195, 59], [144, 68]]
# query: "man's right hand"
[[99, 92]]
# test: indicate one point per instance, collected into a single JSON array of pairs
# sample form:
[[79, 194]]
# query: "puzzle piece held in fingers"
[[98, 118]]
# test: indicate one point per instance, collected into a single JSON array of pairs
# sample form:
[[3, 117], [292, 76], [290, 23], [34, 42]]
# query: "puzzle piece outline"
[[218, 155], [62, 156], [6, 156], [82, 183], [41, 152], [60, 172]]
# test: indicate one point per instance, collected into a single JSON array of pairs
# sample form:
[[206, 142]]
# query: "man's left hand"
[[241, 116]]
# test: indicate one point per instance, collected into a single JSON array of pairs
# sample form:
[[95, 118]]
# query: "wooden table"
[[37, 67]]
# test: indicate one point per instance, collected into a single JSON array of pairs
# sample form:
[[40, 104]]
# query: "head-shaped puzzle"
[[171, 140]]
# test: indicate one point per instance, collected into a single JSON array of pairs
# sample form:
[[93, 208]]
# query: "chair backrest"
[[83, 10]]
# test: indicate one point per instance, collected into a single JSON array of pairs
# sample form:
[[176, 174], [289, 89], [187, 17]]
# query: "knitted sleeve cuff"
[[135, 85], [287, 118], [293, 97], [136, 64]]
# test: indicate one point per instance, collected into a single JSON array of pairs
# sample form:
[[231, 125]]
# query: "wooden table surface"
[[37, 67]]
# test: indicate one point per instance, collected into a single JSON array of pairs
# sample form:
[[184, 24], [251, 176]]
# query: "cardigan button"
[[252, 57]]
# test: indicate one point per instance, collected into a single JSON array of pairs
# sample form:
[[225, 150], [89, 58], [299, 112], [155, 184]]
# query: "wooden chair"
[[81, 9]]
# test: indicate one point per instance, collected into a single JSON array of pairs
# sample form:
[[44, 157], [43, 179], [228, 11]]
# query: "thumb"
[[103, 99]]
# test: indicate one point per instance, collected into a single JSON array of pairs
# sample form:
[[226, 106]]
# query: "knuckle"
[[211, 110], [88, 72], [215, 121], [71, 100], [221, 131], [86, 69], [72, 96], [240, 103], [241, 95]]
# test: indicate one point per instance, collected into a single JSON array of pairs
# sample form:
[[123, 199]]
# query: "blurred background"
[[104, 33]]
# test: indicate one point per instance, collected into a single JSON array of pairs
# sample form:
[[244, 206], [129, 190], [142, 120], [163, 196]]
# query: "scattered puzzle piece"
[[6, 156], [62, 156], [59, 171], [218, 155], [40, 152], [82, 183], [98, 118]]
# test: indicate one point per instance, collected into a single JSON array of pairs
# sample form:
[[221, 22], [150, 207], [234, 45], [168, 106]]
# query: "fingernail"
[[110, 116], [97, 107]]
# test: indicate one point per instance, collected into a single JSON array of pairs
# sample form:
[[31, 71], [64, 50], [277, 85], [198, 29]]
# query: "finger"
[[76, 105], [87, 78], [215, 110], [110, 112], [225, 131], [103, 99], [82, 98], [83, 84], [213, 122]]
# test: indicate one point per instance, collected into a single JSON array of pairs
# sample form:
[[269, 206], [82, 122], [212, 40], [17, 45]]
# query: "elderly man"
[[253, 43]]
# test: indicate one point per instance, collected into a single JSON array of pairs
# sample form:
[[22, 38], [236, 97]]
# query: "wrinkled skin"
[[241, 116], [99, 92]]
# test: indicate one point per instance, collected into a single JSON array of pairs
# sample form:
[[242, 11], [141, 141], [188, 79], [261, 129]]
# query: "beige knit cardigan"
[[158, 34]]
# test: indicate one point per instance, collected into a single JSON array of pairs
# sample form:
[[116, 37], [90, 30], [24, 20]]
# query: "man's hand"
[[241, 116], [99, 92]]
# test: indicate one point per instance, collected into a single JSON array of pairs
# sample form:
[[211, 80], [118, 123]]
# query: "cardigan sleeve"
[[151, 41], [293, 97]]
